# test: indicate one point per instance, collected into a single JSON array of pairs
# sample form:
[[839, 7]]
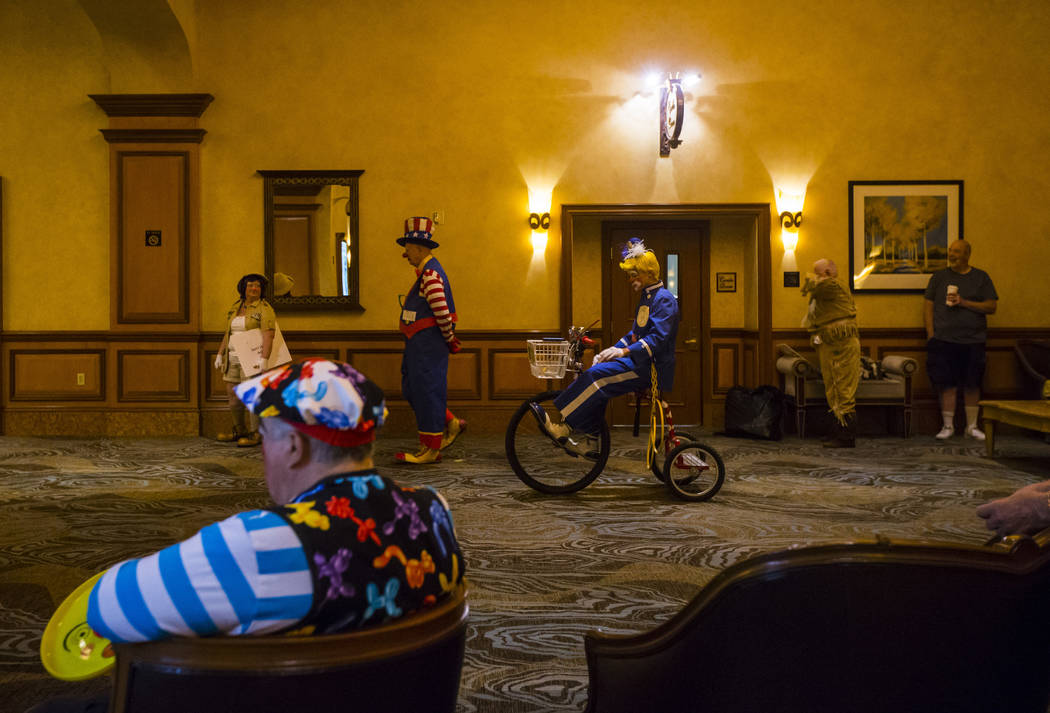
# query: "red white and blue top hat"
[[419, 231]]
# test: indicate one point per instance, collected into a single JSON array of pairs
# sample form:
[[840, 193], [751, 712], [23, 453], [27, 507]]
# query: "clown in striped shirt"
[[428, 322], [343, 548]]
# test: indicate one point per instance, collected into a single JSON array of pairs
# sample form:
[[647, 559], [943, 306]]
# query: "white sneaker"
[[946, 433], [974, 433], [555, 431], [580, 444]]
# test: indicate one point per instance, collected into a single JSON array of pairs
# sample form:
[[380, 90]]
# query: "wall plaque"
[[725, 281]]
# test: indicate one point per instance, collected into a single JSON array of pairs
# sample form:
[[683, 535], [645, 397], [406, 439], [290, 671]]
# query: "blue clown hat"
[[419, 231]]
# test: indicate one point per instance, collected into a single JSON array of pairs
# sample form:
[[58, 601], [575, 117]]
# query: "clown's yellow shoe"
[[423, 455], [452, 430]]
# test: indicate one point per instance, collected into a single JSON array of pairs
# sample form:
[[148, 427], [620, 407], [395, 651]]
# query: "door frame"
[[759, 212]]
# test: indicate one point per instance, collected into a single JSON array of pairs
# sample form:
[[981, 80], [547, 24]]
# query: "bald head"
[[825, 267], [959, 256]]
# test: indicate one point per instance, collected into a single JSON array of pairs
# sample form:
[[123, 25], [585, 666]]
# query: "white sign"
[[247, 346]]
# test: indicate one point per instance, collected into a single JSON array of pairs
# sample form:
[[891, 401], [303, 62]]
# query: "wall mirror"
[[310, 226]]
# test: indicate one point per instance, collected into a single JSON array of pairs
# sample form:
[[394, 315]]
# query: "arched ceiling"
[[147, 48]]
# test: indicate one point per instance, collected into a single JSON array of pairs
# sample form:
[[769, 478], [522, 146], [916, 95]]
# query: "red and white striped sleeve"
[[433, 288]]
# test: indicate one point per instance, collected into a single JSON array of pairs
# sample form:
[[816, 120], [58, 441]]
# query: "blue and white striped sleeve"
[[245, 575]]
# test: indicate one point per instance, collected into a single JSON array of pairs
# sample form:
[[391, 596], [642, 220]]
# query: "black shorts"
[[951, 365]]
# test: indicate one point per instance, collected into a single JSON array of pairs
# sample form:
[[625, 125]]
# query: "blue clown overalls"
[[651, 341], [424, 366]]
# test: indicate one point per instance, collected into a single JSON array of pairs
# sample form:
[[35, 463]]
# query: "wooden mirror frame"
[[272, 179]]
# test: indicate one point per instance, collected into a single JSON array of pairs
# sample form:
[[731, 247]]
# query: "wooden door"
[[682, 249]]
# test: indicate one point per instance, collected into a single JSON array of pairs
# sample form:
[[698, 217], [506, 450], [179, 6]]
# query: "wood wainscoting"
[[161, 383], [157, 384]]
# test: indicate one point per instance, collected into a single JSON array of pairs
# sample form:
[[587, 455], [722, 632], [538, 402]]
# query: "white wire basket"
[[547, 358]]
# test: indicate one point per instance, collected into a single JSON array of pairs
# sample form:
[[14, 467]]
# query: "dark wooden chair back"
[[851, 628], [1034, 357], [412, 664]]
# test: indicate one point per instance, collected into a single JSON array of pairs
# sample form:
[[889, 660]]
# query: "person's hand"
[[218, 360], [1024, 512], [607, 355], [953, 299], [453, 345]]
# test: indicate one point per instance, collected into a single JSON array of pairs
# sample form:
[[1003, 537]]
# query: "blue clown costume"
[[428, 317], [651, 342]]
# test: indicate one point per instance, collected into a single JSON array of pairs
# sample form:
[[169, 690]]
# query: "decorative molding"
[[501, 372], [535, 386], [182, 393], [919, 333], [100, 336], [153, 104], [315, 303], [734, 360], [207, 370], [99, 394], [475, 392], [363, 335], [153, 136], [310, 178], [732, 333]]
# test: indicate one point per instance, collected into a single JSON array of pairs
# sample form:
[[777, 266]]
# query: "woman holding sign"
[[246, 350]]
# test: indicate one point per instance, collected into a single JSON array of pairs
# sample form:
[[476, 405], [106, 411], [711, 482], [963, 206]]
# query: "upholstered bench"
[[802, 385]]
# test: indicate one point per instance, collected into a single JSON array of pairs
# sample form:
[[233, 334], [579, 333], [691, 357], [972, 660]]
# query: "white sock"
[[971, 416], [949, 419]]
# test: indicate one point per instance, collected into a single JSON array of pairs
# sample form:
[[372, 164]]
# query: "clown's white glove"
[[606, 355]]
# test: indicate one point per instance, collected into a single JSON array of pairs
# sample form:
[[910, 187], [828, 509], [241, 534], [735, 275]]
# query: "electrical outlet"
[[81, 379]]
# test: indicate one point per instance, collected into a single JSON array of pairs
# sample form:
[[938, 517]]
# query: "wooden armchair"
[[865, 627], [412, 664]]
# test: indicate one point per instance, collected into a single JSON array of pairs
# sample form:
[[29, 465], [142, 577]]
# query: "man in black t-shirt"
[[958, 300]]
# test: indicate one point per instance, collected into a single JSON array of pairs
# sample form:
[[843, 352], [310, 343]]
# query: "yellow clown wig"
[[636, 257]]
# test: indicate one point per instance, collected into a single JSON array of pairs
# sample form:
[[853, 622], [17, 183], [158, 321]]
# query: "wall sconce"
[[539, 222], [672, 110], [791, 221], [672, 113], [790, 217]]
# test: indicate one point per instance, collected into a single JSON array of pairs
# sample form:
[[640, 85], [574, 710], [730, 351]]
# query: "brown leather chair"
[[412, 664], [849, 628]]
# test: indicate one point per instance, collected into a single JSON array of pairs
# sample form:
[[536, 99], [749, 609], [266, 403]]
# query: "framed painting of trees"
[[899, 232]]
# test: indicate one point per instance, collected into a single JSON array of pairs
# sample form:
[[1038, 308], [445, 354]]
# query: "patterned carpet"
[[621, 555]]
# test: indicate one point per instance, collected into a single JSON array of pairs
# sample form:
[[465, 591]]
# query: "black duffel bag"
[[754, 413]]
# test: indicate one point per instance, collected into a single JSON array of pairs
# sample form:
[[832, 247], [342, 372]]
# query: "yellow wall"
[[464, 107]]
